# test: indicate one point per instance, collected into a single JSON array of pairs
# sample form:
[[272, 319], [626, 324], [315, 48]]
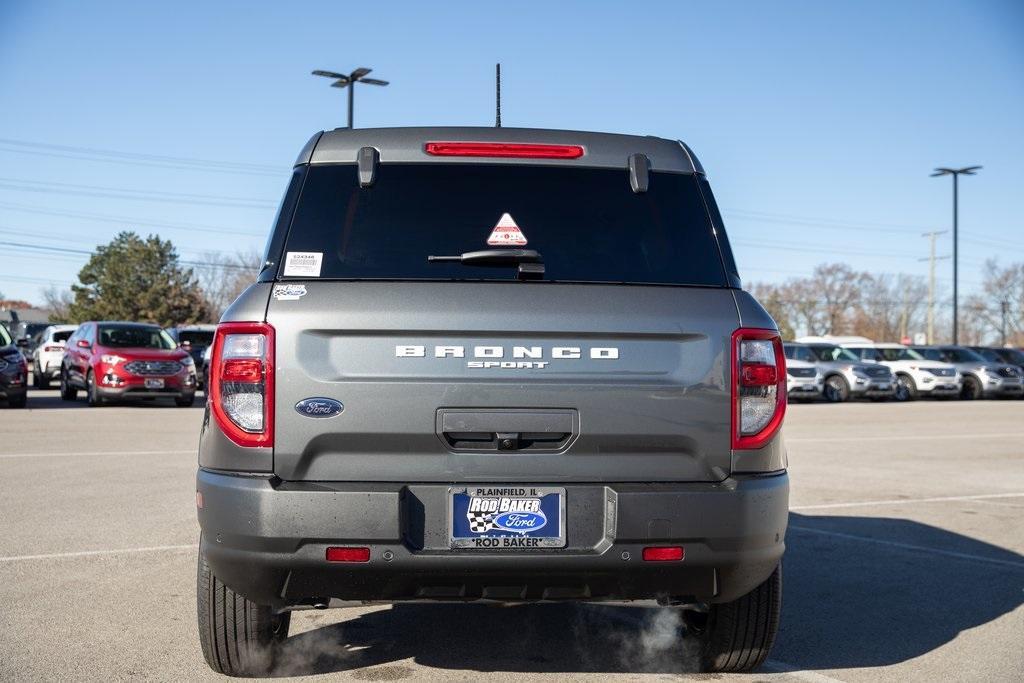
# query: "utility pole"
[[956, 173], [349, 81], [931, 281]]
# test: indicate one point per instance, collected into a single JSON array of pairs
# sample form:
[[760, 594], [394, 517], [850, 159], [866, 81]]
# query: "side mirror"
[[83, 344]]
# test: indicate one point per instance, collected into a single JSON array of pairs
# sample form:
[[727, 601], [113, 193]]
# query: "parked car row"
[[837, 370], [107, 360]]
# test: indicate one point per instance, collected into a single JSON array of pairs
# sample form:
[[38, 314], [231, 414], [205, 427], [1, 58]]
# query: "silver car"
[[803, 380], [982, 378], [845, 375]]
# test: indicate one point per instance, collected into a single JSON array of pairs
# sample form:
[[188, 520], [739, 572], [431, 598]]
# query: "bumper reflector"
[[671, 553], [348, 554]]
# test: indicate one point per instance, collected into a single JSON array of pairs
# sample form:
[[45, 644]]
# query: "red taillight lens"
[[241, 370], [503, 149], [758, 387], [242, 382], [672, 553], [348, 554], [758, 375]]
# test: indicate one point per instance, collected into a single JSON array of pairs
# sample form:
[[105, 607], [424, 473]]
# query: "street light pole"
[[956, 173], [349, 81]]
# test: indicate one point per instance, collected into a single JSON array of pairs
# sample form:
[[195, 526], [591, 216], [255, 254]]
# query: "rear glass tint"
[[587, 224]]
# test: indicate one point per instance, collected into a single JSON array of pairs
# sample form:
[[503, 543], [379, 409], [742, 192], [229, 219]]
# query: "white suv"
[[803, 380], [49, 352], [915, 375]]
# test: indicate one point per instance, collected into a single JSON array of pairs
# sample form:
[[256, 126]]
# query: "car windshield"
[[1012, 356], [989, 354], [587, 224], [828, 352], [958, 354], [135, 337], [794, 352], [195, 337], [899, 354]]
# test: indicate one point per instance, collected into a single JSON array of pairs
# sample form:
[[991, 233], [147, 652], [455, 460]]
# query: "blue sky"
[[817, 122]]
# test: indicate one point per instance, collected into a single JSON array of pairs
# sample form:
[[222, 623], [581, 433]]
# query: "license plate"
[[507, 517], [154, 384], [883, 387]]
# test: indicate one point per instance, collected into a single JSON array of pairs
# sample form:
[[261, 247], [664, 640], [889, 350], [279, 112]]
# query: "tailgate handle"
[[506, 430]]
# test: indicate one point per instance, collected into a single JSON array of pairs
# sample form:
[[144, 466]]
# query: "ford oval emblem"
[[319, 407], [521, 522]]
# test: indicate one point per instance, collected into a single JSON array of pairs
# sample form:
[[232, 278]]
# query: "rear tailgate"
[[608, 383]]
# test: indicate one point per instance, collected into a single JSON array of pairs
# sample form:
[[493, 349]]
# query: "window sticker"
[[303, 263], [289, 292], [506, 233]]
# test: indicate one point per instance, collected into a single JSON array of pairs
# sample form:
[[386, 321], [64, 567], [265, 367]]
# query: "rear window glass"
[[195, 338], [134, 337], [587, 224], [62, 336]]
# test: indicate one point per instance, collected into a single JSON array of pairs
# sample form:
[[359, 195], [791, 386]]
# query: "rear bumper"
[[132, 392], [267, 540]]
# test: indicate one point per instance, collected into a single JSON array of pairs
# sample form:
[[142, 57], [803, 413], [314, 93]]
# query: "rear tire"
[[19, 402], [238, 637], [185, 402], [42, 381], [737, 636], [971, 390], [67, 392], [837, 389], [906, 388]]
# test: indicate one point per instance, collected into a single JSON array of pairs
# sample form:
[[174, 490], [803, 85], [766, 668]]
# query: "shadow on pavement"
[[848, 603], [48, 399], [851, 603]]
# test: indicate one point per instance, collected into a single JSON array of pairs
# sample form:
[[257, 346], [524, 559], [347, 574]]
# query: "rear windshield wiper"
[[529, 264]]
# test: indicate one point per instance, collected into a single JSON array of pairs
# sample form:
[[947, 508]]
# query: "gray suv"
[[982, 378], [494, 364], [846, 375]]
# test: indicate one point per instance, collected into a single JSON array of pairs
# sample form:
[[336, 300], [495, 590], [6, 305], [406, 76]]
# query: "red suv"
[[116, 360]]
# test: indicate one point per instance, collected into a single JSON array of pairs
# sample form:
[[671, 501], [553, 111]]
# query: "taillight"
[[503, 149], [758, 387], [242, 382]]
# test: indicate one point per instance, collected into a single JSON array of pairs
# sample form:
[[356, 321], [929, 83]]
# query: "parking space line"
[[95, 553], [905, 501], [905, 437], [74, 454], [910, 546]]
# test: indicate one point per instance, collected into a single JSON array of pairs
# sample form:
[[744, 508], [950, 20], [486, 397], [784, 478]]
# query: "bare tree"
[[57, 303], [223, 277], [996, 315]]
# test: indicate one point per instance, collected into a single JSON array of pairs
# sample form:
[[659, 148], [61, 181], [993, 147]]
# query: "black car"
[[195, 339], [13, 372], [27, 335]]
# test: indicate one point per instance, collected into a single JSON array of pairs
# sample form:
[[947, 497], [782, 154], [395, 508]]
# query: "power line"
[[122, 193], [84, 252], [97, 154], [126, 220]]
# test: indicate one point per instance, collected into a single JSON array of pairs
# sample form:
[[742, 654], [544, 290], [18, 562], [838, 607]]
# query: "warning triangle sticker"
[[506, 233]]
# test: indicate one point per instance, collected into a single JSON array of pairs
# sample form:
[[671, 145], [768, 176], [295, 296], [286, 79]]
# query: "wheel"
[[837, 389], [971, 390], [906, 388], [35, 376], [737, 636], [19, 402], [91, 393], [238, 637], [39, 379], [67, 392], [185, 402]]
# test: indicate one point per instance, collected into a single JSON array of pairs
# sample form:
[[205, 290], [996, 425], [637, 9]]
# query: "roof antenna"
[[497, 94]]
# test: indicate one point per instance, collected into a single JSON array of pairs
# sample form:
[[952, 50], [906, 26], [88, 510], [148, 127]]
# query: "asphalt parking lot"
[[905, 561]]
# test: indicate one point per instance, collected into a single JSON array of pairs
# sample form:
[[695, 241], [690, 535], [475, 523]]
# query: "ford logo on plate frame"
[[319, 407]]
